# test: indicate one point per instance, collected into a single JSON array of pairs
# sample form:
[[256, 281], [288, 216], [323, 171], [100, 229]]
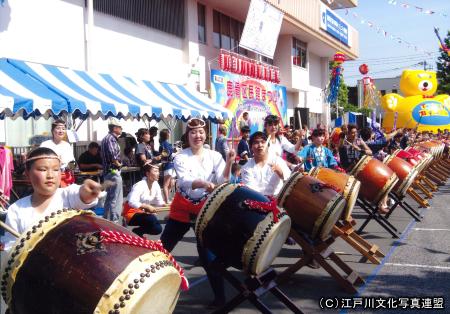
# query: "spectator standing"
[[244, 152], [112, 163], [166, 153], [245, 121], [221, 142]]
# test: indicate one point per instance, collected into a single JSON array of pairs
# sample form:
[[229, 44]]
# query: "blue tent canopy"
[[31, 90]]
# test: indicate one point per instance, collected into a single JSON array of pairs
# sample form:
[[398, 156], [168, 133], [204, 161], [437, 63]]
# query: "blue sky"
[[385, 56]]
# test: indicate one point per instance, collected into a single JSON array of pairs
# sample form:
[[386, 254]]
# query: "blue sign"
[[334, 26], [431, 113]]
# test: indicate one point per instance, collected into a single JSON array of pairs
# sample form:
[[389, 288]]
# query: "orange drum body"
[[348, 185], [405, 172], [377, 179], [313, 207]]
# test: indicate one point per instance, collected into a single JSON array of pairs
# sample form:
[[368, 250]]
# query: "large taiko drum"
[[313, 205], [64, 265], [423, 158], [348, 185], [435, 149], [405, 172], [242, 227], [377, 179]]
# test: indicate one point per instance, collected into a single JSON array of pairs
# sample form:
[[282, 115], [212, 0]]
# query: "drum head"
[[271, 245], [351, 197], [161, 298], [154, 282]]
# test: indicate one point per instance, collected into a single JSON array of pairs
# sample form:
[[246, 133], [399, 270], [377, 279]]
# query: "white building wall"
[[45, 31]]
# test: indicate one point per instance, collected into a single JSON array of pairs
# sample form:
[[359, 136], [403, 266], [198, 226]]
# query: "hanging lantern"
[[363, 69], [339, 57]]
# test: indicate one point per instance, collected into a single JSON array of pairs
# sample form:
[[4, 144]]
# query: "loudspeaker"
[[301, 117], [361, 121]]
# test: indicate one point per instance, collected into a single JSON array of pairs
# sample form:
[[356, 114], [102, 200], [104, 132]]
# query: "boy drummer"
[[43, 168]]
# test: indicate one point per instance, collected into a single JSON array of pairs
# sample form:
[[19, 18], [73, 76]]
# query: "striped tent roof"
[[31, 89]]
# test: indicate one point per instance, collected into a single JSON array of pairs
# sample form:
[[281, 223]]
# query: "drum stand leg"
[[370, 251], [400, 201], [319, 252], [252, 289], [430, 184], [419, 186], [374, 214], [422, 202]]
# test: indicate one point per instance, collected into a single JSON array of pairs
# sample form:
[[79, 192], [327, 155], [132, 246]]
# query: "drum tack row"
[[74, 262]]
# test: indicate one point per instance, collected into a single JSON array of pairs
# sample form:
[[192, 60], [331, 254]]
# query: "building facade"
[[176, 41]]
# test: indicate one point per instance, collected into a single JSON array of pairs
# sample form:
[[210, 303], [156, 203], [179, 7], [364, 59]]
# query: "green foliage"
[[443, 69]]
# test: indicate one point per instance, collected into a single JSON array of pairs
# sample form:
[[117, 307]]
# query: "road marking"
[[418, 266], [430, 229]]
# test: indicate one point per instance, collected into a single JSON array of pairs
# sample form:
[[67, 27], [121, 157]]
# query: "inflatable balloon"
[[419, 107]]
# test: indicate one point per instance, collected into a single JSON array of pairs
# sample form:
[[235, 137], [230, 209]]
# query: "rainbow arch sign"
[[239, 94]]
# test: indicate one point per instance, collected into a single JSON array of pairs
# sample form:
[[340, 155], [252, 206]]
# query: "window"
[[299, 53], [227, 32], [395, 91], [164, 15], [383, 92], [201, 13], [266, 60]]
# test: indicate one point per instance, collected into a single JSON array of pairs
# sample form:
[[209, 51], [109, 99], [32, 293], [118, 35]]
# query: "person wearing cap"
[[277, 142], [112, 163], [316, 154], [264, 173], [199, 171], [140, 209], [244, 152]]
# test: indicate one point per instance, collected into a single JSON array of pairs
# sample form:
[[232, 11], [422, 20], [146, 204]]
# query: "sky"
[[387, 57]]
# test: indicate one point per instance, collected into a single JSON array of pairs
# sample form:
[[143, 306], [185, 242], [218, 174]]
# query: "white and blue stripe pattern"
[[30, 89]]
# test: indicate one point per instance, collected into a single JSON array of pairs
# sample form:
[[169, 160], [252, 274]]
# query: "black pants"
[[147, 224], [173, 233]]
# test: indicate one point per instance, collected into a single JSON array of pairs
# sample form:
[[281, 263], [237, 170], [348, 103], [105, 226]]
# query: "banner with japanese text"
[[241, 94]]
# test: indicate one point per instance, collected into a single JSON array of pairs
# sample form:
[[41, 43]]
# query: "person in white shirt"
[[140, 209], [62, 148], [199, 170], [277, 142], [43, 168], [264, 173]]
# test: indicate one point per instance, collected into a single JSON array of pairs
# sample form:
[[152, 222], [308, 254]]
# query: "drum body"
[[313, 207], [377, 179], [60, 266], [405, 172], [233, 226], [348, 185]]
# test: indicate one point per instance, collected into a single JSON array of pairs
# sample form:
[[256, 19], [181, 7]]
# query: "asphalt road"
[[414, 276]]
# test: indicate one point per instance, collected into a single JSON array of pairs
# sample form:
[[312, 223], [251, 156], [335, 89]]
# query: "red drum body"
[[62, 265], [313, 207], [405, 172], [377, 179], [348, 185]]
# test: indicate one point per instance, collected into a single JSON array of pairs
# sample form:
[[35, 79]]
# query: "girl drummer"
[[139, 210], [43, 168], [199, 170], [277, 142]]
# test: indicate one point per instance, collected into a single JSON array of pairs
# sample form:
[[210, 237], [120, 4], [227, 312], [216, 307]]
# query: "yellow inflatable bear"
[[419, 106]]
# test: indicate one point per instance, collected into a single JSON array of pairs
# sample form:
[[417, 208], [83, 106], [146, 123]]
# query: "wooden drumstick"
[[9, 229]]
